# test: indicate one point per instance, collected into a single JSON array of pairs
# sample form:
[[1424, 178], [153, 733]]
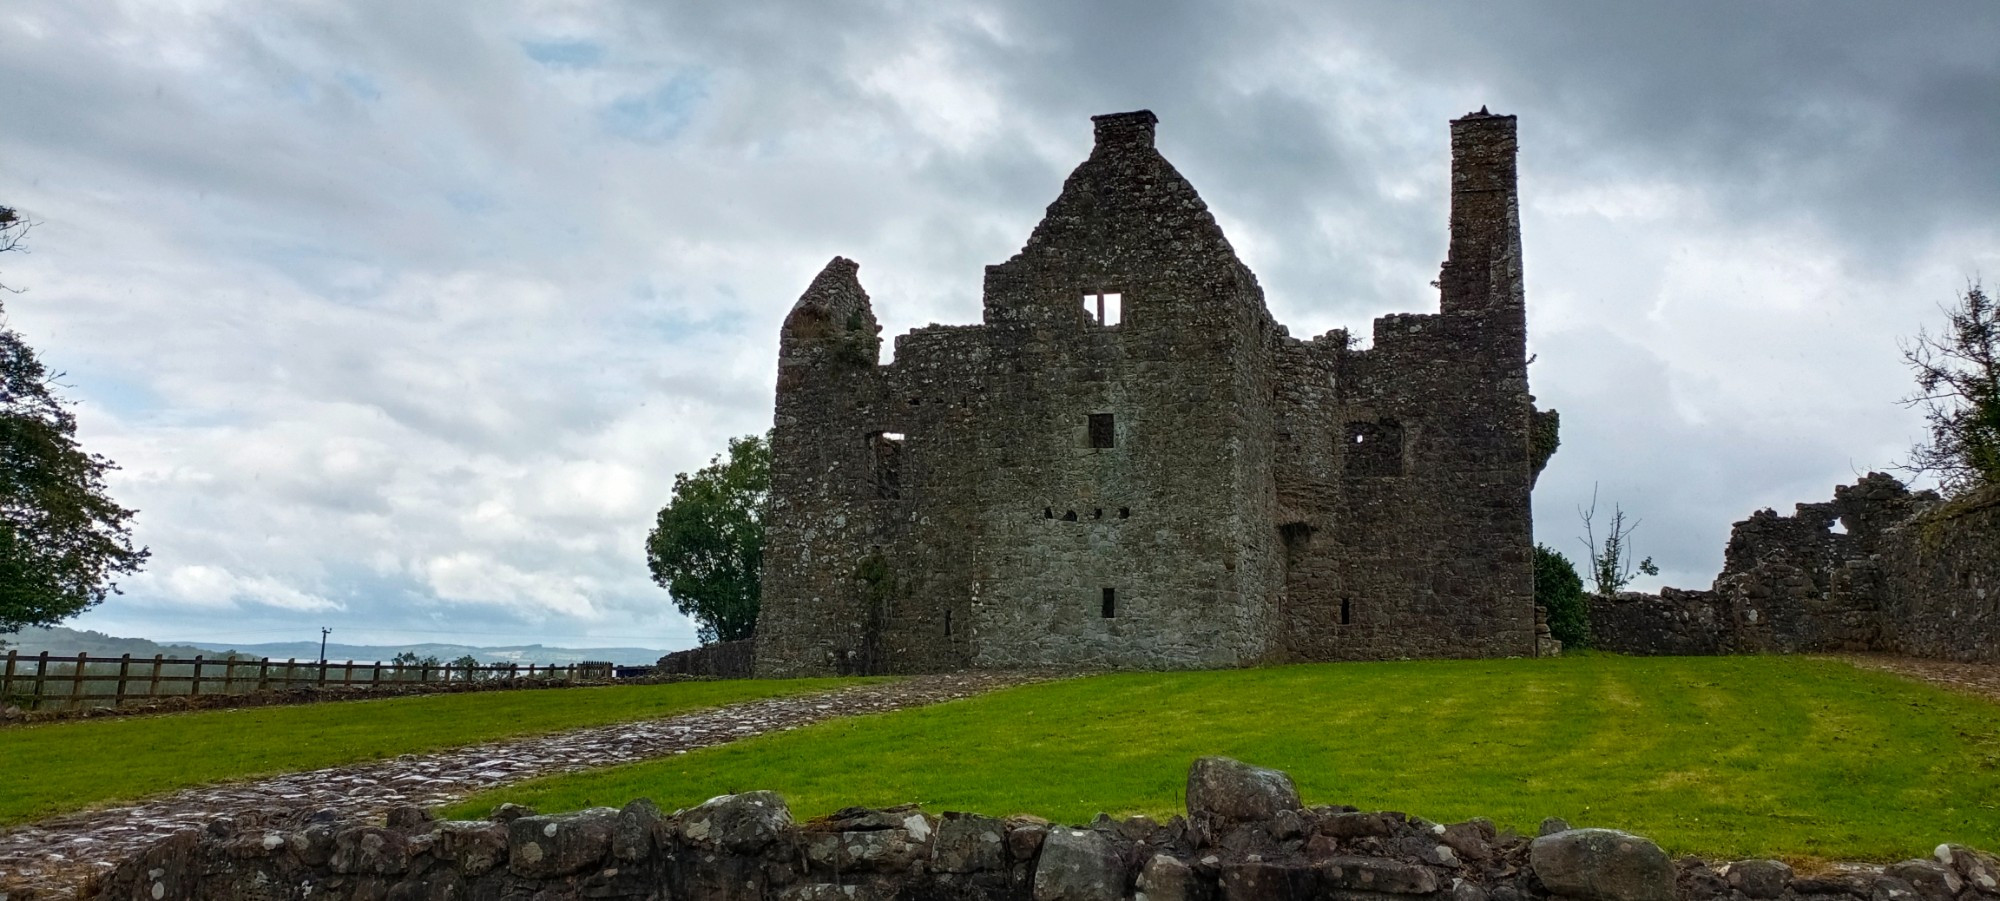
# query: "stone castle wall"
[[1902, 573], [1247, 837], [1186, 487]]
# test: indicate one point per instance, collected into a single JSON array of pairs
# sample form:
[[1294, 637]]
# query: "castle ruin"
[[1129, 463]]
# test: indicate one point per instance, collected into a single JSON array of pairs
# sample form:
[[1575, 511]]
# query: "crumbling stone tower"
[[1130, 464]]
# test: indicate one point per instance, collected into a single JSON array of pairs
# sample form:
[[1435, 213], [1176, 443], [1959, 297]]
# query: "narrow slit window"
[[1110, 609], [947, 623], [1103, 430], [1346, 612], [886, 451], [1104, 309]]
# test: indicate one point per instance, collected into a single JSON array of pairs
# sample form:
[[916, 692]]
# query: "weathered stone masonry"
[[1246, 837], [1904, 572], [1129, 463]]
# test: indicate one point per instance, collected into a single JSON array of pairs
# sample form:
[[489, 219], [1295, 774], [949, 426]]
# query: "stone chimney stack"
[[1125, 130], [1484, 267]]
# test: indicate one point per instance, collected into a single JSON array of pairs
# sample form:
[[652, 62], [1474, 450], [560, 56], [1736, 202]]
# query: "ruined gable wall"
[[1160, 517]]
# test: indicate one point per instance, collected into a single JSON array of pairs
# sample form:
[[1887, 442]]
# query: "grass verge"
[[1731, 757], [73, 765]]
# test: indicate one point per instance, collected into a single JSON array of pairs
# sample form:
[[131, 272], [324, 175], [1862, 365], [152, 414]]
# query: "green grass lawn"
[[1766, 756], [67, 766]]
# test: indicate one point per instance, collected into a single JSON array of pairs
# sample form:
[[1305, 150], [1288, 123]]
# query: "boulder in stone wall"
[[632, 836], [1371, 874], [1890, 888], [543, 847], [1079, 865], [1361, 825], [1258, 880], [1166, 878], [1472, 839], [747, 823], [1978, 868], [1602, 865], [887, 840], [1932, 880], [1222, 791], [370, 851], [1025, 835], [1758, 878], [968, 843], [473, 847]]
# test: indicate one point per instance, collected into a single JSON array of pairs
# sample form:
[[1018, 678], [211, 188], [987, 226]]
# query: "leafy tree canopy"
[[1559, 590], [63, 540], [707, 548], [1958, 388]]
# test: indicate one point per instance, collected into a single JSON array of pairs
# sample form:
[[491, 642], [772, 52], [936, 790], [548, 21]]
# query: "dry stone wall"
[[1247, 837], [1878, 568], [1181, 485]]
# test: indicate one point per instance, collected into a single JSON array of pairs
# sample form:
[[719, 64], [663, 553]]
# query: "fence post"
[[41, 680], [76, 681], [124, 672], [228, 674], [194, 685], [153, 690], [291, 672], [7, 681], [263, 675], [321, 681], [347, 675]]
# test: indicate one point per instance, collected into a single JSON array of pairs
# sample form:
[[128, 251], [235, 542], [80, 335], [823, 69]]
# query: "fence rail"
[[42, 681]]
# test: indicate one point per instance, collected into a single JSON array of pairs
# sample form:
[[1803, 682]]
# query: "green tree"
[[1958, 387], [63, 541], [1559, 590], [707, 548]]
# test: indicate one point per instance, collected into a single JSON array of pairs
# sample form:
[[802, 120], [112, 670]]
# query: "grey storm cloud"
[[401, 317]]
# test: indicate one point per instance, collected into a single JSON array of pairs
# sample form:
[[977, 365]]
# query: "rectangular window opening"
[[947, 622], [1104, 309], [1103, 430], [1110, 603], [1346, 612]]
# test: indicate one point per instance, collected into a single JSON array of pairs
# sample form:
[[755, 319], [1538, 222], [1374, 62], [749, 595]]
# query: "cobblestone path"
[[53, 857]]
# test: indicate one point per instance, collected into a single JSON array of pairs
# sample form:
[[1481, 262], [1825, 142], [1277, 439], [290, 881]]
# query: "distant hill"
[[66, 642], [69, 641]]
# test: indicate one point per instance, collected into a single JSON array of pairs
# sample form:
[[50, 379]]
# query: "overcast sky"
[[400, 317]]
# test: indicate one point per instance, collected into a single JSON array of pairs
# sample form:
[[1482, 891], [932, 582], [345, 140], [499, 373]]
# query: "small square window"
[[1103, 309], [1103, 430]]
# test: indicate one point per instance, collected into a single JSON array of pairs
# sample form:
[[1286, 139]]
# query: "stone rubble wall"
[[1905, 573], [721, 660], [1247, 837]]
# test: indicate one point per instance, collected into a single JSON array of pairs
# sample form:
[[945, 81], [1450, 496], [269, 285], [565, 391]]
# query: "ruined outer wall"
[[1940, 581], [1903, 574]]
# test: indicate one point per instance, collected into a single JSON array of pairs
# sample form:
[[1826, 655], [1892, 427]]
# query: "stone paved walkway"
[[1977, 678], [53, 857]]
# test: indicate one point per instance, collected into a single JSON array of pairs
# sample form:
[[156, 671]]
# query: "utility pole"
[[323, 631]]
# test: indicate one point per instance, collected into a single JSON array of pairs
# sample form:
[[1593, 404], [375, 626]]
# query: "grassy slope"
[[1736, 756], [67, 766]]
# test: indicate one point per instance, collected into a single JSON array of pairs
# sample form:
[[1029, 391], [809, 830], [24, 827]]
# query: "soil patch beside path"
[[52, 858], [1976, 678]]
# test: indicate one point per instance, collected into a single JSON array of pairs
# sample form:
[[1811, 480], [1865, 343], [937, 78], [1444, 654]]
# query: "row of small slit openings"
[[887, 450], [1108, 609]]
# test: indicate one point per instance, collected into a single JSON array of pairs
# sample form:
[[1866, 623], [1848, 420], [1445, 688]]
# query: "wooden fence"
[[42, 681]]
